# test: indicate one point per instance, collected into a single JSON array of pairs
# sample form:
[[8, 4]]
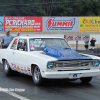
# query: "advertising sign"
[[76, 37], [1, 24], [89, 24], [86, 37], [23, 24], [60, 24], [69, 38]]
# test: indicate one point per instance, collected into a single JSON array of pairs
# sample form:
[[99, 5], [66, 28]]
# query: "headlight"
[[50, 65], [96, 63]]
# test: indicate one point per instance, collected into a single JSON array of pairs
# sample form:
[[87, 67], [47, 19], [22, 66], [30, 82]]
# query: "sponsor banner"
[[89, 24], [69, 37], [77, 37], [60, 24], [1, 24], [86, 37], [23, 24]]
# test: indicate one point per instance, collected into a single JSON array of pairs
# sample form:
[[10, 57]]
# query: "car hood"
[[51, 54], [63, 54]]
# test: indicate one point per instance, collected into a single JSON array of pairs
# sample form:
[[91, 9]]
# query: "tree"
[[50, 8]]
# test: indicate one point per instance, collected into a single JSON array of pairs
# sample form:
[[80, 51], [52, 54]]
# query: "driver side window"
[[14, 45], [22, 45]]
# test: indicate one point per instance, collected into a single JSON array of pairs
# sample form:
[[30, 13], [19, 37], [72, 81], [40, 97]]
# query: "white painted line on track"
[[14, 94]]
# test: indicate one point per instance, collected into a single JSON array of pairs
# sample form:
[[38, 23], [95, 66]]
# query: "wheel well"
[[3, 60], [33, 66]]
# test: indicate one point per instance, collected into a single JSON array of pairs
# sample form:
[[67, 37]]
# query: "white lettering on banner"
[[7, 22], [20, 22], [27, 26], [12, 27], [29, 22], [14, 21], [53, 24]]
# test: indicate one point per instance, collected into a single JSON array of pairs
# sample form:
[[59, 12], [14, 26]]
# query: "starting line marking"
[[15, 95]]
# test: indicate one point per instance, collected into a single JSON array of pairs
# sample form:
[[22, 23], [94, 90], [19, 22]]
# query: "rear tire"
[[7, 70], [86, 79], [36, 76]]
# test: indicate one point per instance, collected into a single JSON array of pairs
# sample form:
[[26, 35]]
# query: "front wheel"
[[36, 76], [86, 79]]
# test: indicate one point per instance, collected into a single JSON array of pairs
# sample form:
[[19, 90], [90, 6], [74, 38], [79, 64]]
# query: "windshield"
[[39, 44]]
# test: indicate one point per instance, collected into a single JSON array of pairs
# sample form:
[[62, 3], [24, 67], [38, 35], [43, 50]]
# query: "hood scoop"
[[63, 54]]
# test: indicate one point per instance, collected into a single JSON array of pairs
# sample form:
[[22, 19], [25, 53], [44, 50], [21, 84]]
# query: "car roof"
[[28, 37]]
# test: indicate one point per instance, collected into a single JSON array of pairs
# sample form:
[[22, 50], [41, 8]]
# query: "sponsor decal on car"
[[12, 68], [28, 69], [18, 67], [29, 73], [22, 71], [21, 68], [15, 66], [26, 73], [53, 24], [12, 64], [32, 47], [25, 69]]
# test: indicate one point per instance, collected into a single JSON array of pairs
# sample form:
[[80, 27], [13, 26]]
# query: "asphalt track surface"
[[51, 90]]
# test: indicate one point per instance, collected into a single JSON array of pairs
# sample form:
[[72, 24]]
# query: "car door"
[[19, 56]]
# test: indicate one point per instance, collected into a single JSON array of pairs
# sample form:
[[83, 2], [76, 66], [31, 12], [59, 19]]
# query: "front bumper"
[[71, 74]]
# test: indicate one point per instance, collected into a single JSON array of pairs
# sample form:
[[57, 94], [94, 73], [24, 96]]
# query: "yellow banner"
[[89, 24]]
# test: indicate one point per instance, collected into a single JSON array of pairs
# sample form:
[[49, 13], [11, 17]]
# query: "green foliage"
[[50, 8]]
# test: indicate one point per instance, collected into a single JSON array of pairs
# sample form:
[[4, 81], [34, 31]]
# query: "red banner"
[[23, 24]]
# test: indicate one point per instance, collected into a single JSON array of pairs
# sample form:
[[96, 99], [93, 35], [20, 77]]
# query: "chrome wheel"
[[37, 74], [6, 66]]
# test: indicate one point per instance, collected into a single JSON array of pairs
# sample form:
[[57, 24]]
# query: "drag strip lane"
[[8, 91], [51, 90]]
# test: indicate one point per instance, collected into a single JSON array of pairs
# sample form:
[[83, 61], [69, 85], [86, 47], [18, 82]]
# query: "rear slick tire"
[[7, 70]]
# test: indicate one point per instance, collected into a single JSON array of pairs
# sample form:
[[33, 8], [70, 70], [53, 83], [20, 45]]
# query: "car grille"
[[78, 63]]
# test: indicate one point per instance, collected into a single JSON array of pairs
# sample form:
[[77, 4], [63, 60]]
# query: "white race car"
[[48, 57]]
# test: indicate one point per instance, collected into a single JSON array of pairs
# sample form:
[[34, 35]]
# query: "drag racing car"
[[48, 58]]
